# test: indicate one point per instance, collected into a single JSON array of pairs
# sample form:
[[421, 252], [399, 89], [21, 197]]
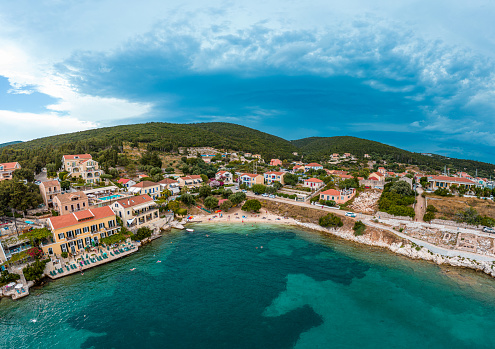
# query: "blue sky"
[[412, 74]]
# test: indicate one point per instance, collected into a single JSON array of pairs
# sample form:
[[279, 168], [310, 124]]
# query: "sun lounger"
[[60, 271], [112, 254], [66, 267], [93, 260]]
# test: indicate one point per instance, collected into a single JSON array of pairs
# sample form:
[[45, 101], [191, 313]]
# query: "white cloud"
[[26, 126]]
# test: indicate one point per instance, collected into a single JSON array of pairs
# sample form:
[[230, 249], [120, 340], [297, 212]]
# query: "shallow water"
[[257, 287]]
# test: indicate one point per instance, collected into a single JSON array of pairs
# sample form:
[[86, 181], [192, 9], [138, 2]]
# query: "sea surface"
[[262, 286]]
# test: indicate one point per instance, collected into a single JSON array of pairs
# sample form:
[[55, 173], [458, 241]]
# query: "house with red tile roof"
[[136, 211], [339, 196], [275, 162], [82, 166], [224, 176], [48, 190], [126, 182], [444, 182], [7, 168], [250, 179], [274, 176], [192, 181], [313, 183], [153, 189]]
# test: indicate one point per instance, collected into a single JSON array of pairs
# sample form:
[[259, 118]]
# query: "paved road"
[[368, 220]]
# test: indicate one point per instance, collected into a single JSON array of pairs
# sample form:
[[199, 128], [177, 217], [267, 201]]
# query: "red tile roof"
[[123, 180], [332, 192], [191, 177], [144, 184], [79, 157], [314, 180], [70, 219], [250, 175], [451, 179], [275, 173], [168, 181], [314, 164], [9, 165], [51, 184], [135, 200]]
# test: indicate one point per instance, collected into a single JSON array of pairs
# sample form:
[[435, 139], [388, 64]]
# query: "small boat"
[[190, 230]]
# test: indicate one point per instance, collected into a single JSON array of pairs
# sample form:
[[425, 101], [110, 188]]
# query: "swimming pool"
[[110, 197]]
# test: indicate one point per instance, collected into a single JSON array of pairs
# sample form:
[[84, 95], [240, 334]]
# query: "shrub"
[[181, 212], [6, 277], [330, 203], [252, 205], [431, 208], [359, 228], [35, 271], [143, 233], [226, 205], [443, 192], [187, 199], [64, 254], [330, 220], [429, 216], [211, 202]]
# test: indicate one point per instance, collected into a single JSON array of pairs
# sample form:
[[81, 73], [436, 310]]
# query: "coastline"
[[404, 248]]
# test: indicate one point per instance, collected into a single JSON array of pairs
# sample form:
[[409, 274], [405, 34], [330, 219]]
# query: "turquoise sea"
[[257, 287]]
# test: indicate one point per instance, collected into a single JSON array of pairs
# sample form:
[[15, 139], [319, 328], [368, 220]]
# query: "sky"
[[418, 75]]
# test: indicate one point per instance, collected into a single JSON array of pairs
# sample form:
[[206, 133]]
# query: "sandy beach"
[[236, 215]]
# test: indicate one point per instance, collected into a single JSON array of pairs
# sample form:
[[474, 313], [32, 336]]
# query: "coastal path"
[[368, 219], [420, 205]]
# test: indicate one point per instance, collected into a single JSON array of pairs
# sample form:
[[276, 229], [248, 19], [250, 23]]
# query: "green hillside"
[[167, 137], [321, 148], [9, 143]]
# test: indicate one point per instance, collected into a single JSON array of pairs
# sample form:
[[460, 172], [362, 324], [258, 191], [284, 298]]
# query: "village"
[[89, 217]]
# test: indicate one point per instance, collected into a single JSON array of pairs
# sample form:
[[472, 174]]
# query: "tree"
[[258, 188], [204, 178], [401, 188], [252, 205], [204, 191], [23, 173], [277, 185], [237, 198], [173, 206], [226, 193], [226, 205], [35, 236], [35, 271], [152, 159], [143, 233], [187, 199], [291, 179], [423, 181], [429, 216], [35, 252], [330, 220], [65, 185], [431, 208], [359, 228], [211, 202]]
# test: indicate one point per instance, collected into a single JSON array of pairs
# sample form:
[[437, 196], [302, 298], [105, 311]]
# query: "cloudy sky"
[[415, 74]]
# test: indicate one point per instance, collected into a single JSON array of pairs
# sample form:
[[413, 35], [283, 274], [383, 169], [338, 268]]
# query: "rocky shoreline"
[[407, 249]]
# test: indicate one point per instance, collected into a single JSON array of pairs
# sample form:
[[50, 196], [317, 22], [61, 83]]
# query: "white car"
[[350, 214], [488, 230], [272, 196]]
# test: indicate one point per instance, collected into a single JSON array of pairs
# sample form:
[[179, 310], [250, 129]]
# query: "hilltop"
[[9, 143], [168, 137]]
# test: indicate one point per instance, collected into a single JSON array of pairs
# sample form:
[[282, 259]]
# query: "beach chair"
[[112, 254], [93, 260], [66, 267], [60, 271], [75, 266]]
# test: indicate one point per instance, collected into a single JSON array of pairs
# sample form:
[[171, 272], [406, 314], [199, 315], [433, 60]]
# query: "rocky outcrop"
[[375, 237]]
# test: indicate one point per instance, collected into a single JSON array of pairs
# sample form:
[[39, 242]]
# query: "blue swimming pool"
[[110, 197]]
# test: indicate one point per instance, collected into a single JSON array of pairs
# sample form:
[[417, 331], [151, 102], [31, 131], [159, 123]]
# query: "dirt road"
[[420, 206]]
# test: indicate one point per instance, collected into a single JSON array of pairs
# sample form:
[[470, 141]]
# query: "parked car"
[[488, 230], [350, 214], [265, 195], [272, 196], [244, 190]]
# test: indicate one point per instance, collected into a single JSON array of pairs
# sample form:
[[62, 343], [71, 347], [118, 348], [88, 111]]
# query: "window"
[[66, 208], [63, 247], [102, 235], [94, 228], [84, 204], [128, 212], [87, 241], [61, 235], [70, 234], [79, 243], [78, 231], [101, 226], [85, 229], [111, 224]]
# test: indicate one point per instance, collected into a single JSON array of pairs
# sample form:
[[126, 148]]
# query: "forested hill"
[[317, 148], [9, 143], [166, 137]]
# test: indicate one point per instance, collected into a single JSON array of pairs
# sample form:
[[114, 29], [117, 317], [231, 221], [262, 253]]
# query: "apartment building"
[[49, 190], [83, 166], [70, 202], [146, 187], [274, 176], [7, 168], [136, 211], [250, 179], [74, 231]]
